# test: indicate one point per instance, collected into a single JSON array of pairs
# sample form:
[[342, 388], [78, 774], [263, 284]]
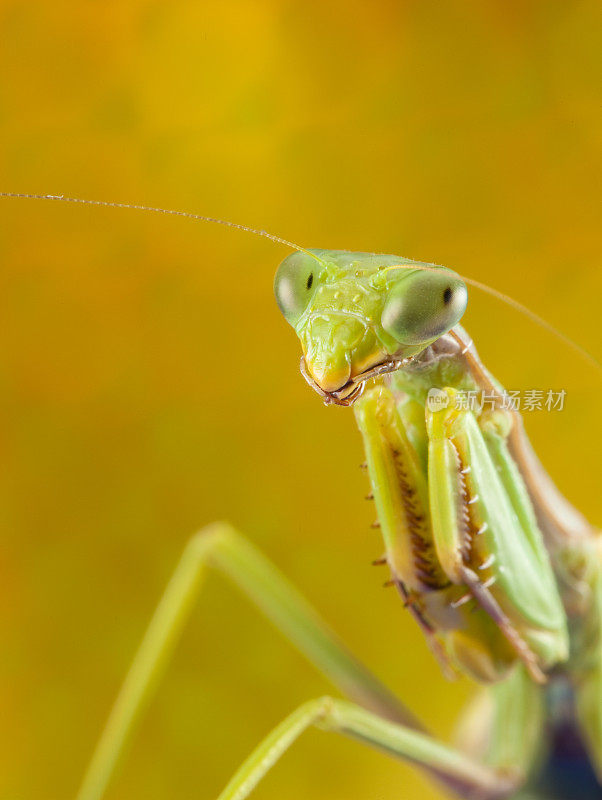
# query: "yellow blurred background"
[[149, 386]]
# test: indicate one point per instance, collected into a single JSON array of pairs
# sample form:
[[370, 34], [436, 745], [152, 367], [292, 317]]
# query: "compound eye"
[[423, 306], [294, 285]]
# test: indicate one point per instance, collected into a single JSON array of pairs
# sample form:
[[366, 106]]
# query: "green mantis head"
[[359, 314]]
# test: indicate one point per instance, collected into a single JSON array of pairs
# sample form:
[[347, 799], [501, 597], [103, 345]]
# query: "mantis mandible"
[[500, 572]]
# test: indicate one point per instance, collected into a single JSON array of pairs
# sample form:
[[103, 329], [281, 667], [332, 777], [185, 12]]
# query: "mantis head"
[[359, 315]]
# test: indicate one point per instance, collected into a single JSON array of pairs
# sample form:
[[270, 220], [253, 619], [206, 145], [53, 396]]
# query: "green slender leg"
[[220, 546], [503, 726], [467, 777], [588, 671]]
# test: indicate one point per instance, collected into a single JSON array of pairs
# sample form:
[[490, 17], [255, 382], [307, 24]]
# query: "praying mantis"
[[501, 573]]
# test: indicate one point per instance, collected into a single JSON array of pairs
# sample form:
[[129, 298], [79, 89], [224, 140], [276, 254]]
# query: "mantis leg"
[[503, 726], [487, 537], [588, 670], [467, 777], [221, 547]]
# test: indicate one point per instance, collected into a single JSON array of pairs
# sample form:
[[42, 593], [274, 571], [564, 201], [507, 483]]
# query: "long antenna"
[[171, 212], [504, 298]]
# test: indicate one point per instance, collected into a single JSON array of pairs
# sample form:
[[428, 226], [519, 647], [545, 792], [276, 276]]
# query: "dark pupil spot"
[[310, 280], [447, 295]]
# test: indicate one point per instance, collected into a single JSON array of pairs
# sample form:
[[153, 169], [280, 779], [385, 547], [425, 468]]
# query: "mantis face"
[[359, 315]]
